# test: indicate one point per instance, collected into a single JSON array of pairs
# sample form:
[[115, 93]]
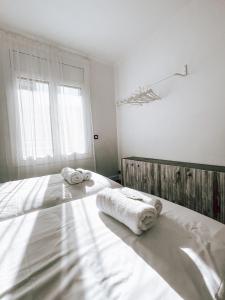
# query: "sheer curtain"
[[45, 111]]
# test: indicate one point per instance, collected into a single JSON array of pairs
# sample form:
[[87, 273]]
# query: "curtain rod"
[[44, 58], [44, 41]]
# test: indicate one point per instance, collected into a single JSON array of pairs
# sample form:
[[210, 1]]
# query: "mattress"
[[72, 251], [23, 196]]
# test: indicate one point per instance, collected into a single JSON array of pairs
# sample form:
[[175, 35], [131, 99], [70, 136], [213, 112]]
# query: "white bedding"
[[72, 252], [23, 196]]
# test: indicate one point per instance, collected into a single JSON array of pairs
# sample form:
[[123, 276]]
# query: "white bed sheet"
[[70, 252], [23, 196]]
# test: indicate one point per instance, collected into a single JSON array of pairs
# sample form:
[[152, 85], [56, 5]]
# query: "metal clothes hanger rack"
[[146, 95]]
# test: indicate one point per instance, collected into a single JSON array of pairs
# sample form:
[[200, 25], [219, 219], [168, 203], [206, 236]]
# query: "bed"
[[23, 196], [69, 250]]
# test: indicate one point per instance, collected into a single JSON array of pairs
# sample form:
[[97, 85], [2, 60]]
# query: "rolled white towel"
[[133, 194], [136, 215], [72, 176], [86, 174]]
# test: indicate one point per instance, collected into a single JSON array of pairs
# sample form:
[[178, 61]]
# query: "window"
[[45, 109], [34, 116], [71, 116], [37, 120]]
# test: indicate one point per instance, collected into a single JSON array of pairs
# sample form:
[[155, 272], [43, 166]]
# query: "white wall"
[[104, 118], [188, 124]]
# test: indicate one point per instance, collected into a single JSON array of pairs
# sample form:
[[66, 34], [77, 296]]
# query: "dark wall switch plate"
[[95, 136]]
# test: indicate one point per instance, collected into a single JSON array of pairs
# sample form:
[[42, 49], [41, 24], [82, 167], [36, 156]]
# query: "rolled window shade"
[[40, 68], [72, 75]]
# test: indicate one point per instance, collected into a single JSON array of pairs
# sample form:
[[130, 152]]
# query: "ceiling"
[[104, 29]]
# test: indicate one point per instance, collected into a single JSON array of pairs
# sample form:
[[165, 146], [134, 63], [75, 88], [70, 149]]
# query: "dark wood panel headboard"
[[196, 186]]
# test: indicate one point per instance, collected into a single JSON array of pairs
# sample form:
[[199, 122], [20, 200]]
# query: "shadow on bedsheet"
[[28, 195], [52, 266], [49, 266], [173, 252], [53, 190]]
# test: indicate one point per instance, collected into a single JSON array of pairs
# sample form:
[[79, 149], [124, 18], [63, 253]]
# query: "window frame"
[[53, 106], [71, 60], [38, 160]]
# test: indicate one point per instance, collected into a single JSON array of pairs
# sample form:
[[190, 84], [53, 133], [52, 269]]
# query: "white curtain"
[[45, 111]]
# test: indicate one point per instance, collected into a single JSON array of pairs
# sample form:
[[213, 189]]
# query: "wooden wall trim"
[[196, 186], [179, 163]]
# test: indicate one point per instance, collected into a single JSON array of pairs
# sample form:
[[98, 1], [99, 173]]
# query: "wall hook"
[[185, 72]]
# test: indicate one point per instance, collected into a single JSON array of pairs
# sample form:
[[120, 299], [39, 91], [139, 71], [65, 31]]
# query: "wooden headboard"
[[196, 186]]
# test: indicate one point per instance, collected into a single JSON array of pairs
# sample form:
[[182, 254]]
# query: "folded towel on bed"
[[133, 194], [136, 215], [86, 174], [72, 176]]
